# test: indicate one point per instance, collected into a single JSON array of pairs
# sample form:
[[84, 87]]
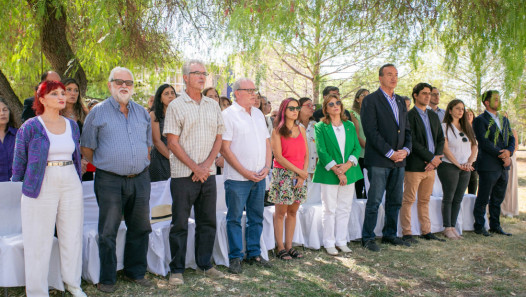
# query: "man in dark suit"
[[28, 111], [318, 114], [427, 139], [385, 124], [496, 144]]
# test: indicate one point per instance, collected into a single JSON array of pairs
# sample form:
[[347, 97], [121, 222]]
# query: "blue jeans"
[[390, 180], [241, 195]]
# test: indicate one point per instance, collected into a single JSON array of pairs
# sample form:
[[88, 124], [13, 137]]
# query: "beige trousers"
[[60, 201], [421, 182]]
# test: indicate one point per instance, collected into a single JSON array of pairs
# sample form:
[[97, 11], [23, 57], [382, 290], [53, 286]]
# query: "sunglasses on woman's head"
[[294, 108], [331, 104]]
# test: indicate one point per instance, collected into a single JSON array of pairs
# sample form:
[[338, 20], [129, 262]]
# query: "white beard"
[[121, 98]]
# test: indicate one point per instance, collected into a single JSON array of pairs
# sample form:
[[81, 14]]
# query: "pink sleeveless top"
[[294, 150]]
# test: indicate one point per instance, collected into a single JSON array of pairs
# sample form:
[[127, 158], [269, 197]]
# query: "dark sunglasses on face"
[[464, 139], [294, 108], [331, 104], [119, 82]]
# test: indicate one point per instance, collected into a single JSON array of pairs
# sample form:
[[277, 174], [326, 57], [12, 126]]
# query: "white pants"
[[60, 201], [336, 201]]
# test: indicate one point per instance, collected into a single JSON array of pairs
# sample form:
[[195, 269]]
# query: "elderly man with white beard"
[[117, 138]]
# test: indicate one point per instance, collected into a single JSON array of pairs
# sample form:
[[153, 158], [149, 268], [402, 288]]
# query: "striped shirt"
[[120, 144], [394, 107], [197, 125]]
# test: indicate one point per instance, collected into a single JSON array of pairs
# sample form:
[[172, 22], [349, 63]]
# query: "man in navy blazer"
[[496, 144], [385, 124]]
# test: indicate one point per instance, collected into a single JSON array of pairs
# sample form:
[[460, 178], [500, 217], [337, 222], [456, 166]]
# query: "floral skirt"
[[282, 190]]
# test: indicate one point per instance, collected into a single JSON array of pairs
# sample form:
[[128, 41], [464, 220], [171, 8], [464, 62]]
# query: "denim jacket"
[[31, 151]]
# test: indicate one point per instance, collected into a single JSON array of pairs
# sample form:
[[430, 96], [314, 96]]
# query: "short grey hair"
[[187, 64], [237, 85], [119, 69]]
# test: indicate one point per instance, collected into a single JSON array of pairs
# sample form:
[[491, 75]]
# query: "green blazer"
[[329, 151]]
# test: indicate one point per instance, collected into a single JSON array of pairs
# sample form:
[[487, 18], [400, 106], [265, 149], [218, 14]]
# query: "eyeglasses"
[[464, 139], [331, 104], [199, 73], [250, 91], [294, 108], [435, 94], [119, 82], [307, 105]]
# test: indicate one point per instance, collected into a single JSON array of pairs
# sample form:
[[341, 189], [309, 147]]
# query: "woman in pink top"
[[287, 189]]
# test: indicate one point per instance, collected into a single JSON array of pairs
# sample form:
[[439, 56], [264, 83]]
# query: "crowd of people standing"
[[191, 136]]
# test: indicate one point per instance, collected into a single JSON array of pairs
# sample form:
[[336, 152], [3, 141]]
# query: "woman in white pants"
[[47, 160], [338, 151]]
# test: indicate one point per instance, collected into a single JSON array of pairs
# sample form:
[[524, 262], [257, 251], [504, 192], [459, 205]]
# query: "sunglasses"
[[119, 82], [464, 139], [331, 104], [294, 108]]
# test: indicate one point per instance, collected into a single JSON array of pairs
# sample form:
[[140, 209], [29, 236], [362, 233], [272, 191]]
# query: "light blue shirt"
[[496, 119], [120, 144], [429, 135]]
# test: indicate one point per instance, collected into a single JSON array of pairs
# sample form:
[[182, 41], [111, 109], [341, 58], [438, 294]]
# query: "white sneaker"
[[344, 249], [75, 291], [332, 251]]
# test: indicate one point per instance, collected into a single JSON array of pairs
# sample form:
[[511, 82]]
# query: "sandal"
[[283, 255], [295, 254]]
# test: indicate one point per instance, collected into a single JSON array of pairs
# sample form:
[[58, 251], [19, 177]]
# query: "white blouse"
[[457, 146], [340, 136], [311, 145]]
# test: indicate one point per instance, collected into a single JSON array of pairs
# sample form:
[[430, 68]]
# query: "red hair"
[[43, 89]]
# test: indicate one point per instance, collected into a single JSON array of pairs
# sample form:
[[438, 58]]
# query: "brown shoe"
[[143, 282], [106, 288], [213, 273]]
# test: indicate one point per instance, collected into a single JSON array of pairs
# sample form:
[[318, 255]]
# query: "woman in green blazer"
[[338, 152]]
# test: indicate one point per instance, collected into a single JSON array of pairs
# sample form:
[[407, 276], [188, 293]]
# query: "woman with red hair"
[[287, 190], [47, 161]]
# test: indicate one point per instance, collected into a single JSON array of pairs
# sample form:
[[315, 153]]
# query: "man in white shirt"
[[246, 149]]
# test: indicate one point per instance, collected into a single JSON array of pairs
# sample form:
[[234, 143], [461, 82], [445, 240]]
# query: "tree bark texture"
[[9, 95], [54, 42]]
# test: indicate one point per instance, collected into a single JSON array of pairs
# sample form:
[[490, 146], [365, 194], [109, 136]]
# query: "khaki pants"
[[421, 182], [60, 201]]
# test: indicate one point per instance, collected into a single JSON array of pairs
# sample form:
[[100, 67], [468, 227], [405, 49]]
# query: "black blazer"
[[489, 147], [382, 131], [420, 154], [28, 111]]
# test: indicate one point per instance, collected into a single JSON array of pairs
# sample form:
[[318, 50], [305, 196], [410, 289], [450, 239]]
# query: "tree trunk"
[[55, 45], [317, 56], [9, 95]]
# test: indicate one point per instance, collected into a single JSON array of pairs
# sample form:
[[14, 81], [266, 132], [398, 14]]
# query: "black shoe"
[[235, 266], [410, 239], [259, 261], [371, 245], [106, 288], [482, 232], [431, 236], [499, 231], [395, 241]]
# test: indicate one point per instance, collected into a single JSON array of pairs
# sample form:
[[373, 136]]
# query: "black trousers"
[[116, 196], [202, 196], [492, 189], [454, 183]]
